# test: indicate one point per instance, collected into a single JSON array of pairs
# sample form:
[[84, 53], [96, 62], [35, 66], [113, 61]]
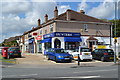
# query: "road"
[[62, 72]]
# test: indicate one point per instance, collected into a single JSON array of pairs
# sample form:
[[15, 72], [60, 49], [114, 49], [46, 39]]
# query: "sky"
[[18, 16]]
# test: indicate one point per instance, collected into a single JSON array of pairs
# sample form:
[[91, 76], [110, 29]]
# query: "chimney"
[[68, 14], [82, 11], [56, 12], [46, 18], [39, 22]]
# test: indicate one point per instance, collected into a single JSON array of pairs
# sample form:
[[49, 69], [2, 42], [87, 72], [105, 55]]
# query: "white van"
[[84, 53]]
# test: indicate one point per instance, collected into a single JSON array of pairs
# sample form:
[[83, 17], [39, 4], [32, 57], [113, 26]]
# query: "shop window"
[[71, 45], [85, 27]]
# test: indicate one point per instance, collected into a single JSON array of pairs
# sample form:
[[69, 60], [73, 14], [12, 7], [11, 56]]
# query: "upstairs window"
[[51, 28], [45, 31], [40, 32], [85, 27]]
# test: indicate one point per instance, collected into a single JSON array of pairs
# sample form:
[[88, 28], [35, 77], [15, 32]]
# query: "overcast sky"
[[18, 16]]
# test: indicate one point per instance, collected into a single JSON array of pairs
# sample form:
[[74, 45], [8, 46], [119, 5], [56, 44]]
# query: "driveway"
[[36, 60]]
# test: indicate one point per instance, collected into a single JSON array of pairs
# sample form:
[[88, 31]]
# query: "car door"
[[101, 51], [95, 54]]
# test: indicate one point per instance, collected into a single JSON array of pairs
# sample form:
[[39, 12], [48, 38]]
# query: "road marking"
[[77, 77], [20, 75], [29, 75], [96, 71]]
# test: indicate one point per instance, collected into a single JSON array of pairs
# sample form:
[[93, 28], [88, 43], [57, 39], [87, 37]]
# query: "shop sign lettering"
[[62, 34]]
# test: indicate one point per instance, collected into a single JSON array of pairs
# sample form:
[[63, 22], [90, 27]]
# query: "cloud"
[[103, 11], [82, 6], [18, 17], [63, 8]]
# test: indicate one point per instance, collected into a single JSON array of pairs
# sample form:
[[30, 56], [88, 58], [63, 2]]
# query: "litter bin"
[[5, 52]]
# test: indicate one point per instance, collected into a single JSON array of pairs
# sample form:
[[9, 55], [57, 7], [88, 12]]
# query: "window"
[[85, 27], [51, 28], [40, 32], [45, 31]]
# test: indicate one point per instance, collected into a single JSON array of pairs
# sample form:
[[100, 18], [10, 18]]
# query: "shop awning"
[[46, 40], [72, 39]]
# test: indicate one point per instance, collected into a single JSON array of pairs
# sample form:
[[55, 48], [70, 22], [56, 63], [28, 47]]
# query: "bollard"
[[78, 60]]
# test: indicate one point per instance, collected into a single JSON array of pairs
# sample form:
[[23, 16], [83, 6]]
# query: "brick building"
[[68, 30]]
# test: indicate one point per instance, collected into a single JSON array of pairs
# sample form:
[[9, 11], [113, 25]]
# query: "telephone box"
[[5, 52]]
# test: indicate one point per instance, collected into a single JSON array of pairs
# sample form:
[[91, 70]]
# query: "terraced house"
[[67, 30]]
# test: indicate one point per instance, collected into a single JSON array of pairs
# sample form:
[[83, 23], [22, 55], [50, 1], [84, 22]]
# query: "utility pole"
[[115, 39]]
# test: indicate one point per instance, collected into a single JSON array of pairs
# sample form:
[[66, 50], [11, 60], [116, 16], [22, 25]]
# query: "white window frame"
[[51, 27], [85, 27], [40, 32]]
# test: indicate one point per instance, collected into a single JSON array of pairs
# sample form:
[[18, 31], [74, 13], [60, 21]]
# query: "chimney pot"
[[82, 11], [46, 18], [39, 22], [68, 14], [56, 12]]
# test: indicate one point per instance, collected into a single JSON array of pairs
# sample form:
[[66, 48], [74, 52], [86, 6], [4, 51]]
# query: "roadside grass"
[[12, 61]]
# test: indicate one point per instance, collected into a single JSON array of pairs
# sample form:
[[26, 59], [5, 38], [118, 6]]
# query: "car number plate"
[[66, 58], [111, 57], [86, 53]]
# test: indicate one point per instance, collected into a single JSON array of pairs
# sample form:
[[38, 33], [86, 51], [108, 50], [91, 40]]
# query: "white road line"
[[20, 75], [96, 71], [29, 75], [77, 77]]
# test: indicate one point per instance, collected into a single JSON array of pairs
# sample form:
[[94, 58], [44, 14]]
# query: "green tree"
[[117, 27]]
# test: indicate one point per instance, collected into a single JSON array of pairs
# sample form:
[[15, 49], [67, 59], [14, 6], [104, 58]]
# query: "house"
[[70, 30]]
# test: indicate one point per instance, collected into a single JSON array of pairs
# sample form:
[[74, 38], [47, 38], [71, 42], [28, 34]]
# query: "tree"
[[117, 27]]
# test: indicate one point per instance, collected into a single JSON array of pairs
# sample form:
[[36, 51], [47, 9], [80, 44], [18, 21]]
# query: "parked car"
[[14, 52], [83, 52], [103, 54], [69, 51], [58, 54]]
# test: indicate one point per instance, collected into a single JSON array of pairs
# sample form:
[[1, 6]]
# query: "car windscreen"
[[85, 50], [109, 51], [60, 51], [15, 49]]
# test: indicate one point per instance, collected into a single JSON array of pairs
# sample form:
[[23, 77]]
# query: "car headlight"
[[60, 56]]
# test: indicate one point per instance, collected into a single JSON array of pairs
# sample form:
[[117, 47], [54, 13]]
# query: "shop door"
[[31, 48], [57, 43], [40, 47]]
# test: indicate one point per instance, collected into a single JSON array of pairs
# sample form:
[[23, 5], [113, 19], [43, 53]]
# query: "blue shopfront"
[[65, 40], [31, 45]]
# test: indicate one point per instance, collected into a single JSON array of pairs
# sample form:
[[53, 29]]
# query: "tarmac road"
[[37, 67]]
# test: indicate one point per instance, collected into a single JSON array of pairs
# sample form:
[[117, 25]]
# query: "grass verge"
[[11, 61]]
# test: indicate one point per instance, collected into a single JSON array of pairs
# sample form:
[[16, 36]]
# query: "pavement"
[[39, 60]]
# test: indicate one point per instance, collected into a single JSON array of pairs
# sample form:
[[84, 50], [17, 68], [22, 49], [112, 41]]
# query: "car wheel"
[[102, 59], [48, 57], [55, 59], [70, 60]]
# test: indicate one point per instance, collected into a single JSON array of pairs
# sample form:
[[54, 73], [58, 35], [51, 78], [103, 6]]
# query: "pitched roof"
[[92, 38], [12, 39], [77, 16], [33, 29]]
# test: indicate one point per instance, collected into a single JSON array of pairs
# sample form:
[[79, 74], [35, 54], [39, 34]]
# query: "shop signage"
[[39, 38], [31, 40], [34, 34], [101, 46], [62, 34]]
